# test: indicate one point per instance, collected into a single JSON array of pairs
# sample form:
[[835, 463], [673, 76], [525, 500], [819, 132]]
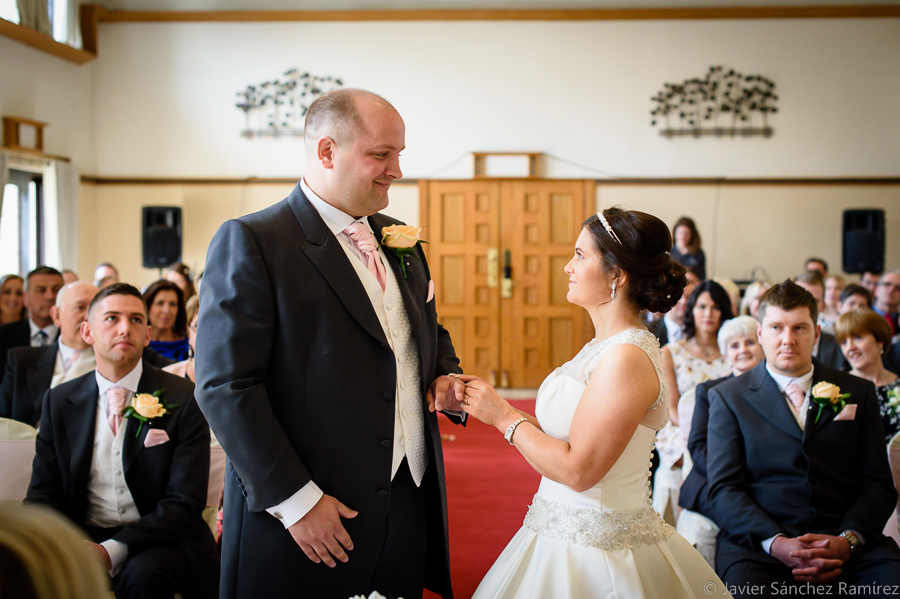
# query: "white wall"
[[579, 91], [36, 85]]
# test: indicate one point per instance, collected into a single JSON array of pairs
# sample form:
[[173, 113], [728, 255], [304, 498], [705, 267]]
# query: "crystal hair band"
[[607, 227]]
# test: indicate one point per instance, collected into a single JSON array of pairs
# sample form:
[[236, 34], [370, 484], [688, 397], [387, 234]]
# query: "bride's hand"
[[483, 402]]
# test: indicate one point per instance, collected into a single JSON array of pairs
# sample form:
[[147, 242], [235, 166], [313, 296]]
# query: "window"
[[22, 223], [58, 10], [9, 11]]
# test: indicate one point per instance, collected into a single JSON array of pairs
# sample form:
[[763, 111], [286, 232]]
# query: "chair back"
[[16, 456]]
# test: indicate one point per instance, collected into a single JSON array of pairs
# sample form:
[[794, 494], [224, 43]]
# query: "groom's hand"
[[812, 558], [446, 393], [320, 533]]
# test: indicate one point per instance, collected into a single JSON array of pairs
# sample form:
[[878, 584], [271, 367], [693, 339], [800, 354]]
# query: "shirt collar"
[[673, 329], [129, 381], [65, 350], [50, 329], [803, 381], [335, 219]]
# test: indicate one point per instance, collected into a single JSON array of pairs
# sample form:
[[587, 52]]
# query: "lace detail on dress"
[[582, 365], [608, 531]]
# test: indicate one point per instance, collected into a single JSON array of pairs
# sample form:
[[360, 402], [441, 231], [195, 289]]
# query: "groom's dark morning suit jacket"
[[168, 481], [767, 476], [298, 381]]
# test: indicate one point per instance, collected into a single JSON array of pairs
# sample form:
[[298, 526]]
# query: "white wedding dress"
[[607, 541]]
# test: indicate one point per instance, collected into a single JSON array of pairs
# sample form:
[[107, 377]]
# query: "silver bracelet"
[[508, 435]]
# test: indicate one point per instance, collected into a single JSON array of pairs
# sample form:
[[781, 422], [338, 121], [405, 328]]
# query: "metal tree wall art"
[[723, 103], [277, 108]]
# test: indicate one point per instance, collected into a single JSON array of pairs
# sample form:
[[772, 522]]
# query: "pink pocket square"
[[155, 437], [430, 291], [848, 413]]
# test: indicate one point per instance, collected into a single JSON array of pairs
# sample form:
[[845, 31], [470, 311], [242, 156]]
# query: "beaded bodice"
[[616, 512]]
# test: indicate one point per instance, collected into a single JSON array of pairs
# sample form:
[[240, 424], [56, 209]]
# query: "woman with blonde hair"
[[44, 556], [750, 301]]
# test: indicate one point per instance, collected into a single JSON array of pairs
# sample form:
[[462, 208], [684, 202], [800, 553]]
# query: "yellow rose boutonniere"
[[402, 240], [828, 394], [147, 407]]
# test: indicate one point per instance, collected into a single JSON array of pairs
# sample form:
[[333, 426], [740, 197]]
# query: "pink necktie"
[[796, 395], [72, 359], [116, 398], [365, 241]]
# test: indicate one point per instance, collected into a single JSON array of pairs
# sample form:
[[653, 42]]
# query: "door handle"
[[507, 285], [493, 266]]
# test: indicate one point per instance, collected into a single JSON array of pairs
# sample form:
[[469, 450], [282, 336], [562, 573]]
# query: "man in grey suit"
[[802, 493], [319, 364]]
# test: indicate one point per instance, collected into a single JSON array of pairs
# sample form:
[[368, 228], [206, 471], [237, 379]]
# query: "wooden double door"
[[497, 249]]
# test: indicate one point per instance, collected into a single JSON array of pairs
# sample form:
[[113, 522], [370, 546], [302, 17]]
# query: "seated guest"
[[826, 349], [854, 297], [733, 291], [739, 344], [802, 494], [185, 368], [180, 274], [130, 468], [30, 371], [887, 298], [686, 364], [44, 556], [670, 327], [834, 284], [686, 250], [38, 330], [817, 264], [12, 300], [750, 301], [168, 322], [869, 279], [69, 276], [864, 337], [105, 270]]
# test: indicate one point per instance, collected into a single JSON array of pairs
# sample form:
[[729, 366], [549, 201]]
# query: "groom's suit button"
[[386, 444], [388, 396], [382, 493]]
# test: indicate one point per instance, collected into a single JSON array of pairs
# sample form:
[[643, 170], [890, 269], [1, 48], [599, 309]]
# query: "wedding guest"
[[31, 371], [69, 276], [168, 321], [733, 291], [180, 274], [826, 350], [671, 326], [686, 249], [801, 493], [854, 297], [44, 556], [103, 270], [750, 301], [869, 279], [106, 282], [864, 337], [12, 299], [686, 364], [817, 264], [136, 486], [38, 330], [887, 298], [185, 368], [834, 285], [740, 346]]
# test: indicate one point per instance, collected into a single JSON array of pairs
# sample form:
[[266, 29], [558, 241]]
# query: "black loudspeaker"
[[863, 247], [161, 235]]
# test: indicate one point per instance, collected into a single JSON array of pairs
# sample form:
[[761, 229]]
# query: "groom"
[[802, 496], [319, 365]]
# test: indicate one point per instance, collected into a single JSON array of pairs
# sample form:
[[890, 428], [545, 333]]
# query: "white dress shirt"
[[50, 330], [109, 500]]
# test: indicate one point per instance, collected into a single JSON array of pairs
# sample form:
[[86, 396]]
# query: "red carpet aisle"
[[489, 489]]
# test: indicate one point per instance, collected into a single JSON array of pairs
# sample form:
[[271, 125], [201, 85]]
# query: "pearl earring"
[[612, 296]]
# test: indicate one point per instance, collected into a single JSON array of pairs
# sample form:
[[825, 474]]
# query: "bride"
[[590, 530]]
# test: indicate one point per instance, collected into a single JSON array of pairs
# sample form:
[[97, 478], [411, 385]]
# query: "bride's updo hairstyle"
[[639, 245]]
